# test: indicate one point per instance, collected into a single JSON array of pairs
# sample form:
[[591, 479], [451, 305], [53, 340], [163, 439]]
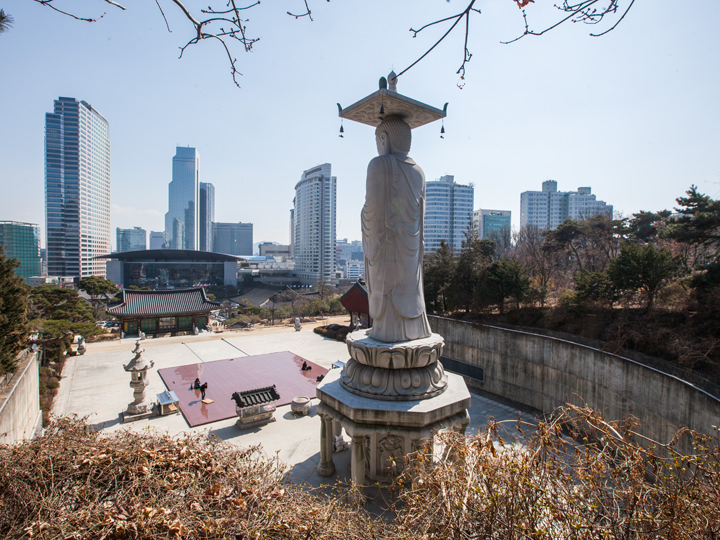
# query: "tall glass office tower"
[[77, 189], [21, 241], [182, 219], [314, 221]]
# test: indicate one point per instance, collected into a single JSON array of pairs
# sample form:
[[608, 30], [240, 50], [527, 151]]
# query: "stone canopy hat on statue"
[[386, 102]]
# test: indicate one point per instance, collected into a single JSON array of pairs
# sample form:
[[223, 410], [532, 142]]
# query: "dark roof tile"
[[256, 396], [172, 302]]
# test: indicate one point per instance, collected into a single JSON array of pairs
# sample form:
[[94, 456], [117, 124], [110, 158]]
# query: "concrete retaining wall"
[[544, 372], [20, 414]]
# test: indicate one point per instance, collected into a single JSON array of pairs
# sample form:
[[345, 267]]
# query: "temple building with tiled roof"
[[161, 312], [355, 300]]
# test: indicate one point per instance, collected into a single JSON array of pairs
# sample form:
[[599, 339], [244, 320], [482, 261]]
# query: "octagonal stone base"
[[383, 431]]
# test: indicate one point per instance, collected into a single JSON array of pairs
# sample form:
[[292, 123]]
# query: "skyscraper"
[[134, 239], [21, 241], [77, 189], [448, 212], [233, 238], [548, 208], [314, 221], [207, 216], [182, 218]]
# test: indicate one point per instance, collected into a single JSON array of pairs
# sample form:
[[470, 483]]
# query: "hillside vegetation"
[[649, 283]]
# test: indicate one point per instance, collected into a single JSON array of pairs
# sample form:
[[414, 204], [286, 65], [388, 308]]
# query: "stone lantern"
[[138, 367], [393, 395]]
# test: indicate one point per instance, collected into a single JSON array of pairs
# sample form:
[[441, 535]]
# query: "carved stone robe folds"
[[392, 231]]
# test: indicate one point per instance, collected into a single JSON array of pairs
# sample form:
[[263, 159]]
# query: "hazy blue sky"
[[633, 114]]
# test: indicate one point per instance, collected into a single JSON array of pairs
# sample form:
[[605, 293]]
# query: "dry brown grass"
[[578, 476], [574, 475], [73, 483]]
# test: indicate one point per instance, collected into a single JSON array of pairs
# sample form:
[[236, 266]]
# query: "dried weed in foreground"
[[598, 484], [575, 476], [73, 483]]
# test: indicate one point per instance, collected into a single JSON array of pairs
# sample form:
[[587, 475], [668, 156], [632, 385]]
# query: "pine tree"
[[14, 328]]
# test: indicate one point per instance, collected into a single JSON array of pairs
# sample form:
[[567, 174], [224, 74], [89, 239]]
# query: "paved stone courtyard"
[[95, 385]]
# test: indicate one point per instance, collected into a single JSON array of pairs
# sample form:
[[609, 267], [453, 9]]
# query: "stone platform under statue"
[[384, 431]]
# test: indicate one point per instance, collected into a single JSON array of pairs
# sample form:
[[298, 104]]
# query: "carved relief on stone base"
[[390, 455]]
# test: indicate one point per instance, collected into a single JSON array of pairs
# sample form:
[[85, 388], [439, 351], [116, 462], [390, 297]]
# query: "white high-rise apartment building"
[[548, 208], [182, 220], [314, 225], [448, 212], [77, 189]]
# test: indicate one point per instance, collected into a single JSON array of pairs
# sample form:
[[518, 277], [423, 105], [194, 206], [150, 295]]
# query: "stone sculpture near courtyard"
[[392, 395], [138, 367]]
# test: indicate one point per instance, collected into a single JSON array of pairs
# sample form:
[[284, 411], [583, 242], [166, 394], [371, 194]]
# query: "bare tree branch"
[[209, 28], [465, 14], [307, 13], [49, 3], [167, 25], [585, 11], [618, 21], [226, 25]]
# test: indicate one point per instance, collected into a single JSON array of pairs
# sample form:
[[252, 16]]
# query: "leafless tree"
[[585, 11], [226, 24], [545, 266]]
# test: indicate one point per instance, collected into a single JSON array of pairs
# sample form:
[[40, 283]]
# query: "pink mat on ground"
[[224, 377]]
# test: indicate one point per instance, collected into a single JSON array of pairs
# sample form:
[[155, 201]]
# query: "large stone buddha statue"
[[392, 235]]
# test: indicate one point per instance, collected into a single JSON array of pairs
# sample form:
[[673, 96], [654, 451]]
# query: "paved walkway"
[[95, 385]]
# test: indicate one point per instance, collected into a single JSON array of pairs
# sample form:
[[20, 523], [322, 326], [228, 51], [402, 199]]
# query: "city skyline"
[[631, 113]]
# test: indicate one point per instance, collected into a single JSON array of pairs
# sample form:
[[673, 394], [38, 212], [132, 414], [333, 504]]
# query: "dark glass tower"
[[182, 218]]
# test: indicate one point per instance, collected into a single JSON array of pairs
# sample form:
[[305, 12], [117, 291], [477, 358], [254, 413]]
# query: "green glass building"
[[21, 241]]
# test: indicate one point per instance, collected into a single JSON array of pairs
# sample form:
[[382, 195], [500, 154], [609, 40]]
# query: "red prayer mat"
[[225, 377]]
